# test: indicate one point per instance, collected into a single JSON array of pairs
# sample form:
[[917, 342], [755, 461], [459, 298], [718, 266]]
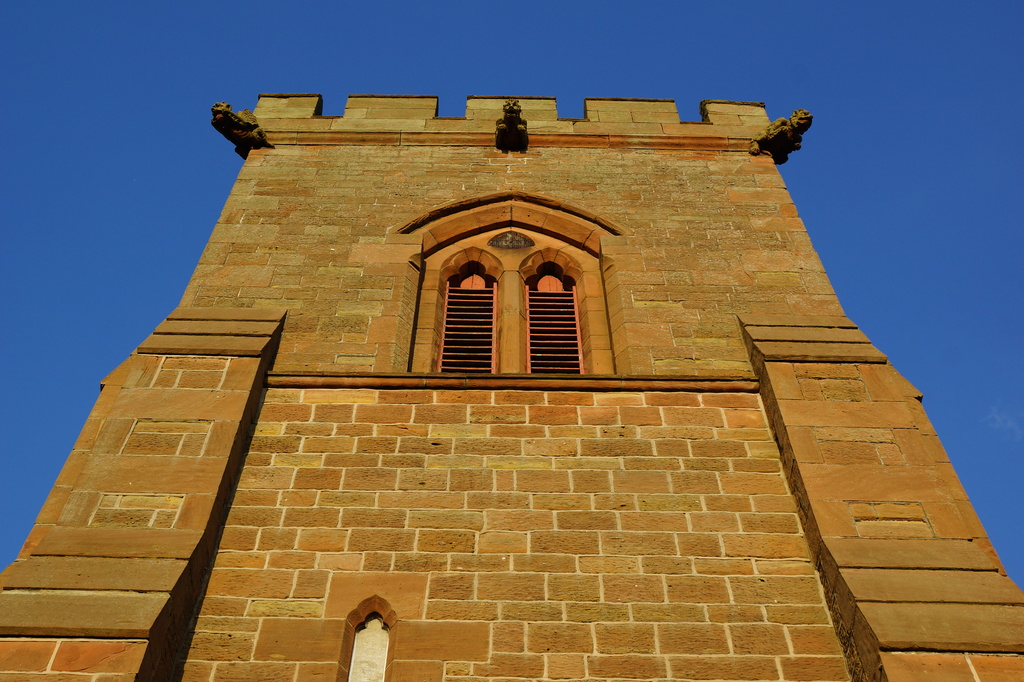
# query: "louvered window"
[[470, 312], [553, 339]]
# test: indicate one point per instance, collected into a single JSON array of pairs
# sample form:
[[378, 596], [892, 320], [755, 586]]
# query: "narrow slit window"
[[553, 321], [470, 313], [369, 651]]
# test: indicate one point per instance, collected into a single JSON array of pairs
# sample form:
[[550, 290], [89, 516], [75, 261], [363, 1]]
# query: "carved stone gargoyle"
[[240, 128], [510, 133], [782, 136]]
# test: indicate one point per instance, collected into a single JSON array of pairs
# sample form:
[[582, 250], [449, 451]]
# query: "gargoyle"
[[240, 128], [782, 136], [510, 133]]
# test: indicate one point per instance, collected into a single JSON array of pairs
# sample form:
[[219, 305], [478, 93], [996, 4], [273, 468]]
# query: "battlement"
[[281, 114]]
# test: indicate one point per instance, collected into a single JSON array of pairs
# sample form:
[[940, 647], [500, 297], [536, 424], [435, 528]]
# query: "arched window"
[[366, 645], [553, 344], [470, 317], [511, 284], [512, 308], [369, 650]]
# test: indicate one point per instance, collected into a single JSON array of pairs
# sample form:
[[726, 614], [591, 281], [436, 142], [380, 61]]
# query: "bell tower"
[[508, 396]]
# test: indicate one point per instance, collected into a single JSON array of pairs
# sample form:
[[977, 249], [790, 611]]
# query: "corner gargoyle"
[[782, 136], [510, 133], [240, 128]]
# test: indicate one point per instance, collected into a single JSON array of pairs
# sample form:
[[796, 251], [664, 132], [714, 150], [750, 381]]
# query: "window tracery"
[[510, 235], [536, 308]]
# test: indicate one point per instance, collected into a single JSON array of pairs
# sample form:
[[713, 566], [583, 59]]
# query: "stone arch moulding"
[[491, 265], [531, 264], [459, 232], [371, 606], [457, 220]]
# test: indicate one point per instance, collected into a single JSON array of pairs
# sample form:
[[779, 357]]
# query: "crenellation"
[[489, 109], [289, 105], [618, 110], [717, 111], [296, 119]]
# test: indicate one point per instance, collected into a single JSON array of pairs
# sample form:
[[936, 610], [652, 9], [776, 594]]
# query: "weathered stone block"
[[119, 542], [947, 627], [65, 613], [93, 573]]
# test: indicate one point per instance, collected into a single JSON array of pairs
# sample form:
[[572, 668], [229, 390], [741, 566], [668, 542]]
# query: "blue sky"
[[113, 178]]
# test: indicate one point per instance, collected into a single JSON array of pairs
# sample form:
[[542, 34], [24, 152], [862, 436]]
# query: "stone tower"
[[508, 397]]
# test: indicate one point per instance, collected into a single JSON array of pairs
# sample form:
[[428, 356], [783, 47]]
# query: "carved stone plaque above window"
[[511, 240]]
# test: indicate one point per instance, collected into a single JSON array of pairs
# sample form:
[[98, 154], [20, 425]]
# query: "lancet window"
[[553, 323], [369, 650], [468, 340]]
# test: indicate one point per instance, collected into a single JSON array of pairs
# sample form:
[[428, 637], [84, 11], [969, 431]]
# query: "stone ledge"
[[765, 320], [65, 613], [180, 344], [796, 351], [93, 573], [907, 553], [217, 327], [810, 338], [735, 139], [215, 331], [807, 334], [962, 587], [947, 627], [238, 314], [732, 383], [150, 543]]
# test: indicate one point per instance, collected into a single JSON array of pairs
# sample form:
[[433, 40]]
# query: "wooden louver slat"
[[467, 344], [554, 333]]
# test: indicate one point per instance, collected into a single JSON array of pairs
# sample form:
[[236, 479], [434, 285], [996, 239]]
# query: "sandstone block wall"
[[516, 534], [315, 225]]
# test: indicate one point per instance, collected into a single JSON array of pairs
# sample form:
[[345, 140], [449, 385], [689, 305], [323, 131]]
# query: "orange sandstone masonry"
[[510, 545], [739, 486]]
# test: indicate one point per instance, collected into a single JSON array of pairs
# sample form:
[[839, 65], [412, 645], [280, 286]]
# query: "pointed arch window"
[[500, 294], [369, 650], [553, 323], [470, 317]]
